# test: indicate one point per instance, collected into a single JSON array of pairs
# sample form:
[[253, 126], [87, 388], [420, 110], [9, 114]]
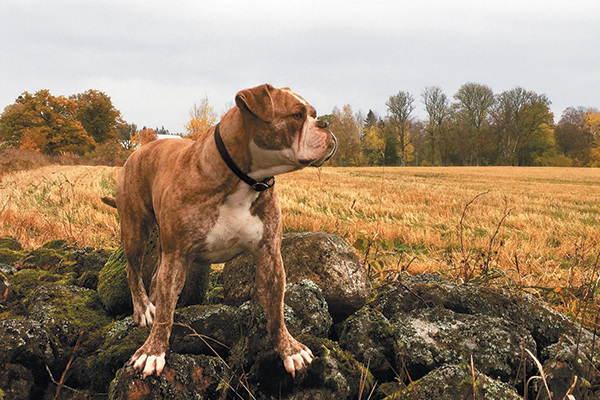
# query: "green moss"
[[112, 285], [66, 311], [334, 368], [10, 243], [24, 281], [10, 257], [49, 258], [123, 338], [57, 244]]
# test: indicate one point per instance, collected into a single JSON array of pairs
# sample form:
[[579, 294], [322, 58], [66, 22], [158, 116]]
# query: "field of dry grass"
[[59, 202], [528, 226], [553, 216]]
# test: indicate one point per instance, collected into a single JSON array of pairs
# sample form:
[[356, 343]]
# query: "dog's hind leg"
[[134, 236]]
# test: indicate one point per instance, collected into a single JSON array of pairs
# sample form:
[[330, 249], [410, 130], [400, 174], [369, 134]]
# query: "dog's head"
[[288, 135]]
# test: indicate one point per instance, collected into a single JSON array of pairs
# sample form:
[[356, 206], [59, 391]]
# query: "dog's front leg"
[[270, 288], [150, 358]]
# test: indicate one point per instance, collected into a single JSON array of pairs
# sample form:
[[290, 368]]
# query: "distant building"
[[161, 136]]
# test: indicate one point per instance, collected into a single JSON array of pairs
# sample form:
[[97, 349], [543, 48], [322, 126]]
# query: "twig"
[[462, 249], [542, 374], [487, 262], [63, 378], [473, 378]]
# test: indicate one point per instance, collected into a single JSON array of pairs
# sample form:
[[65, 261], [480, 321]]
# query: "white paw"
[[149, 365], [296, 362], [147, 318]]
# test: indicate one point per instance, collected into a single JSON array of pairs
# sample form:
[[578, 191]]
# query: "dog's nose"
[[322, 124]]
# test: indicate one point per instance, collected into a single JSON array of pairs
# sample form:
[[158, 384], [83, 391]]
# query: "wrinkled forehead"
[[293, 102]]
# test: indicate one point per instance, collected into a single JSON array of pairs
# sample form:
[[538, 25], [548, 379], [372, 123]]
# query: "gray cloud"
[[156, 58]]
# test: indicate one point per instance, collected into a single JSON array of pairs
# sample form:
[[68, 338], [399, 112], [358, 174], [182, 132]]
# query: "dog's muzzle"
[[319, 162]]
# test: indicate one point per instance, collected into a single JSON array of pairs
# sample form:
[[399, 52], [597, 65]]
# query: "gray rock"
[[204, 330], [451, 382], [7, 269], [184, 377], [66, 311], [429, 338], [564, 360], [323, 258], [26, 347], [430, 290], [369, 336]]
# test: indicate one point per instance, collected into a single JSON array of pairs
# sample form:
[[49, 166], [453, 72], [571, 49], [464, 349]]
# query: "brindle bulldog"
[[213, 199]]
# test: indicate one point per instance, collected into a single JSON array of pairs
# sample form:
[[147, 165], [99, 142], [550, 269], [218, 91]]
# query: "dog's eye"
[[298, 115]]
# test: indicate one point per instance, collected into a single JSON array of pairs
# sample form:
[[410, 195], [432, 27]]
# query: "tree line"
[[477, 127]]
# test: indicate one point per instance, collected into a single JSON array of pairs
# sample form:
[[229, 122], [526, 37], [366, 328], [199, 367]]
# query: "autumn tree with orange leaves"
[[202, 118]]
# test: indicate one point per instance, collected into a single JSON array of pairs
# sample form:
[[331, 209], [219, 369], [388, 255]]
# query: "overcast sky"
[[156, 58]]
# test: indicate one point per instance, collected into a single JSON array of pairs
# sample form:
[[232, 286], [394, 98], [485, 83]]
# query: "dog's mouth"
[[325, 157]]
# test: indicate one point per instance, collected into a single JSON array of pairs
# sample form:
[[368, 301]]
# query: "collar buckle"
[[263, 185]]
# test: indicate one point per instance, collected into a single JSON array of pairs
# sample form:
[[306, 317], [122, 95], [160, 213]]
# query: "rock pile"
[[422, 337]]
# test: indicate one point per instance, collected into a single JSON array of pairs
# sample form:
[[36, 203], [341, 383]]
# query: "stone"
[[369, 336], [26, 347], [66, 311], [114, 289], [184, 377], [10, 243], [450, 382], [323, 258]]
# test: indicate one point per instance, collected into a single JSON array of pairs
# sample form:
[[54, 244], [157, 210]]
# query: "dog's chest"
[[236, 229]]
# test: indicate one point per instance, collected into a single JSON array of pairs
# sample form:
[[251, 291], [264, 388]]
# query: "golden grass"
[[552, 227], [59, 202], [549, 238]]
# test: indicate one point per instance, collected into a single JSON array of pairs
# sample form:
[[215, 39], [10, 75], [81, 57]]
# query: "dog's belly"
[[235, 231]]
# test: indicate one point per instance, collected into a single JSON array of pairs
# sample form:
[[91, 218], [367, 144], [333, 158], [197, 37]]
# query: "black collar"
[[258, 186]]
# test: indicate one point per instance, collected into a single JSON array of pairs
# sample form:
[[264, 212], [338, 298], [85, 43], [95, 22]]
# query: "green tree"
[[44, 123], [371, 119], [572, 137], [438, 110], [515, 121], [96, 113], [373, 144], [346, 128], [400, 108], [126, 134], [474, 103]]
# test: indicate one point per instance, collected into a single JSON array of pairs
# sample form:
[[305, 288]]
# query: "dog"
[[213, 199]]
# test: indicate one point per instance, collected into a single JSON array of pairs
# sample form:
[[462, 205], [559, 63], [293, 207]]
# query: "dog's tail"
[[111, 201]]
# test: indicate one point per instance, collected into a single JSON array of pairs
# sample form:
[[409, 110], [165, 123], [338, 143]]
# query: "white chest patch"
[[236, 229]]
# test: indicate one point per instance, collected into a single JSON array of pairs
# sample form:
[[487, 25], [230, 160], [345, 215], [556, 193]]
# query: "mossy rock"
[[121, 340], [450, 382], [213, 322], [333, 374], [17, 383], [66, 311], [92, 260], [25, 281], [112, 285], [10, 243], [56, 244], [184, 377], [52, 258], [369, 335], [26, 348], [114, 289], [11, 257]]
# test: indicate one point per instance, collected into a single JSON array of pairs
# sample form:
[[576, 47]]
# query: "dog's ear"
[[258, 101]]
